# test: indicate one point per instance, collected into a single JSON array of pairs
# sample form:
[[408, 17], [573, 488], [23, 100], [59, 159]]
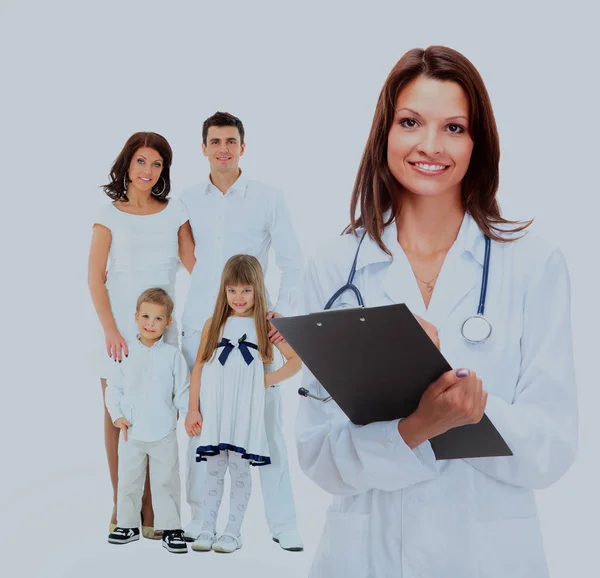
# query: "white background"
[[78, 78]]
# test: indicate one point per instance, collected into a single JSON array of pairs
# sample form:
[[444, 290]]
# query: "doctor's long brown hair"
[[375, 186], [240, 270]]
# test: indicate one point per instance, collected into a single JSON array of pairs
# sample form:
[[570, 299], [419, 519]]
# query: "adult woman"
[[143, 233], [426, 189]]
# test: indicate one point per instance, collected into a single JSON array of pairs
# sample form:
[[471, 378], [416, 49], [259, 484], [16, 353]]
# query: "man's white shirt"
[[248, 219]]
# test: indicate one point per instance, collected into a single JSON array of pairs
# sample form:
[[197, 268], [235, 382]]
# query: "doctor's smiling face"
[[429, 145]]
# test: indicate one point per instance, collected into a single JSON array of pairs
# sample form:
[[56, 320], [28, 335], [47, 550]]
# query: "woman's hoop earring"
[[125, 184], [160, 193]]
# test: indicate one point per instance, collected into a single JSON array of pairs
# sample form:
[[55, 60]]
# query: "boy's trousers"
[[164, 482]]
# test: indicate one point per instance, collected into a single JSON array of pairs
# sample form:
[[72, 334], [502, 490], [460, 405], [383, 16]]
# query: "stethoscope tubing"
[[350, 286]]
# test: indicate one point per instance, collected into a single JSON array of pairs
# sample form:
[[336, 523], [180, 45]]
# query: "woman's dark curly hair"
[[116, 188]]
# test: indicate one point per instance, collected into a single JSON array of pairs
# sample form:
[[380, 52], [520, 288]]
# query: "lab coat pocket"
[[497, 500], [511, 547], [345, 546]]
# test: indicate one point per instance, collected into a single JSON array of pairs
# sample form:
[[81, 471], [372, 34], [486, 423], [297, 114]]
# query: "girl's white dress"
[[232, 397], [144, 253]]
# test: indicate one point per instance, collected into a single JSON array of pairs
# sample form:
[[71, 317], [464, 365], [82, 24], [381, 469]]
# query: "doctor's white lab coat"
[[400, 513]]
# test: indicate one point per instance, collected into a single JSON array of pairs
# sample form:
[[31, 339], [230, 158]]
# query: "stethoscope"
[[475, 329]]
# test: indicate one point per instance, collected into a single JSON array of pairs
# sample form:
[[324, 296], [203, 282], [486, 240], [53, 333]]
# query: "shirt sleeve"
[[343, 458], [182, 212], [113, 394], [181, 384], [104, 216], [540, 425], [288, 257]]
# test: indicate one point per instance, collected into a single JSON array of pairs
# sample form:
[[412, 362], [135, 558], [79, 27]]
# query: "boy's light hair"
[[157, 296]]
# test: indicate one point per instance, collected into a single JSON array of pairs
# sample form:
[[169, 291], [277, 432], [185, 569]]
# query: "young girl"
[[234, 364]]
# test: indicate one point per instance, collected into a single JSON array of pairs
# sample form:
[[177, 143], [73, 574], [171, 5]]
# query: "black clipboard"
[[376, 363]]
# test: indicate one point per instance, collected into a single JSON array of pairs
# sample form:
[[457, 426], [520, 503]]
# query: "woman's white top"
[[399, 512], [144, 253], [232, 398]]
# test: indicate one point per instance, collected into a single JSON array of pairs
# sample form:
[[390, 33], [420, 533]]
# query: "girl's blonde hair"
[[240, 270]]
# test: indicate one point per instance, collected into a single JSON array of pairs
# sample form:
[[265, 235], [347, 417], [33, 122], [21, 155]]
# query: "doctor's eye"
[[409, 123], [456, 128], [140, 161]]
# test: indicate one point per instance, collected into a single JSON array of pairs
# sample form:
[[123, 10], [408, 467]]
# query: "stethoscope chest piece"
[[476, 329]]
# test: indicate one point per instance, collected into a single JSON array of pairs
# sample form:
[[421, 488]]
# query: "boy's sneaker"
[[174, 541], [124, 535]]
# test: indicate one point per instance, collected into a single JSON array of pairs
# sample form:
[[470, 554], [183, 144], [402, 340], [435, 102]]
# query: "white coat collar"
[[460, 273], [469, 238]]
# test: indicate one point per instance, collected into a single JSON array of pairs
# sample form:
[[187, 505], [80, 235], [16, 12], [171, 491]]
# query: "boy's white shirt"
[[147, 388]]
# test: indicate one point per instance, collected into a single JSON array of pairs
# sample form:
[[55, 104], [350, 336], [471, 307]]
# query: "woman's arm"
[[98, 258], [101, 240], [186, 246], [290, 368], [540, 424]]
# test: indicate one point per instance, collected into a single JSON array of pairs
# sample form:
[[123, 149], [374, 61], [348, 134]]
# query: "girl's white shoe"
[[204, 542], [227, 543]]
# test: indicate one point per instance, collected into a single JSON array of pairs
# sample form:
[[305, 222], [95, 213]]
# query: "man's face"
[[223, 148]]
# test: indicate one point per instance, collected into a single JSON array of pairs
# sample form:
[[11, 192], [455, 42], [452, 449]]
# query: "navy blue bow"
[[228, 347]]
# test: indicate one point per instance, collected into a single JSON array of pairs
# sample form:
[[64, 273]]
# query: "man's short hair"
[[222, 119]]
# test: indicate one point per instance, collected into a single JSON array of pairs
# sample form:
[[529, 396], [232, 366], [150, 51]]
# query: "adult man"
[[230, 214]]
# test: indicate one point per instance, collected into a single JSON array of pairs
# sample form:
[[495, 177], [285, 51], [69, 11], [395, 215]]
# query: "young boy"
[[143, 397]]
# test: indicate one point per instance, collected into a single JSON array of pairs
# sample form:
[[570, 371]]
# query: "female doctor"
[[426, 189]]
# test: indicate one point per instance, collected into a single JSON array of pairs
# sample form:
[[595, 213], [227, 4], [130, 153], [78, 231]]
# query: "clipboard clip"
[[305, 393]]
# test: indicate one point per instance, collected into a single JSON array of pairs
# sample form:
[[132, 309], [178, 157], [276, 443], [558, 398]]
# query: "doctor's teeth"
[[430, 167]]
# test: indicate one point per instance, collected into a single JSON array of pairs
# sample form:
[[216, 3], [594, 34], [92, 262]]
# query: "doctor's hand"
[[123, 425], [456, 398], [274, 335], [193, 423], [430, 329]]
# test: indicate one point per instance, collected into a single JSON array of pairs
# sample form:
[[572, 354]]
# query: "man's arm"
[[288, 257]]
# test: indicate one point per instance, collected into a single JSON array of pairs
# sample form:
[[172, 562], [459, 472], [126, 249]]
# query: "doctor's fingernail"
[[462, 373]]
